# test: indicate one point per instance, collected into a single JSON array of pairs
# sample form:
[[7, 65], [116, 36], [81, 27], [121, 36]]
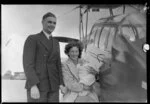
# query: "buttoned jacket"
[[41, 62]]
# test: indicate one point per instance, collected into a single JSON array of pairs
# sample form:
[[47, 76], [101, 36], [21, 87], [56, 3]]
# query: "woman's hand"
[[35, 94], [63, 89], [91, 70], [86, 87]]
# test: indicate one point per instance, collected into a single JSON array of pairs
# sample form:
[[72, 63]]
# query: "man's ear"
[[42, 22]]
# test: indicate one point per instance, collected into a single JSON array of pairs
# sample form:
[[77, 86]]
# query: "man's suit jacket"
[[42, 63]]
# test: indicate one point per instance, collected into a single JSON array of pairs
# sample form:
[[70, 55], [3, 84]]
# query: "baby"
[[91, 63], [86, 78]]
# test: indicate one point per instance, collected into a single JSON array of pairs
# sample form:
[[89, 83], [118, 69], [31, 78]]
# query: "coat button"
[[45, 55]]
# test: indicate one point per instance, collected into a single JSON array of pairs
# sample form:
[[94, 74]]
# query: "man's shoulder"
[[56, 40], [34, 36]]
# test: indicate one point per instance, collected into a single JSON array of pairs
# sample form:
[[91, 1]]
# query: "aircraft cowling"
[[128, 60]]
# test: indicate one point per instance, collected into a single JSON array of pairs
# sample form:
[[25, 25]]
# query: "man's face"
[[49, 24]]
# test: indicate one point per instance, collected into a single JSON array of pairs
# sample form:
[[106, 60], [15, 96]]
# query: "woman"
[[77, 90]]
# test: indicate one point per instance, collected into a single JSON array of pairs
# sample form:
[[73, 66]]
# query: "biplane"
[[120, 39]]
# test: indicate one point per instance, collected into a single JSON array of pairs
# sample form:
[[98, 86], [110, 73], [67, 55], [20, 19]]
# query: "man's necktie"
[[49, 37]]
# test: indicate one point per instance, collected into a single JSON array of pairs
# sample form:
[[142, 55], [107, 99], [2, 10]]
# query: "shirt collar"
[[46, 34]]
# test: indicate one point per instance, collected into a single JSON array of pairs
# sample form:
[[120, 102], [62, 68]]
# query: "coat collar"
[[46, 34], [43, 39], [45, 42], [73, 68]]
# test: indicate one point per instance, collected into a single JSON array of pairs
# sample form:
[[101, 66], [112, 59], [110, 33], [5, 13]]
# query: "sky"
[[19, 21]]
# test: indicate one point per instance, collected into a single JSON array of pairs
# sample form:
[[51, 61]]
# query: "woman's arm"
[[70, 81], [91, 70]]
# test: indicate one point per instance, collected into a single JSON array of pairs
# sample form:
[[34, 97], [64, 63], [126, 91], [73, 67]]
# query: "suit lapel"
[[43, 39], [53, 49], [45, 42], [73, 68]]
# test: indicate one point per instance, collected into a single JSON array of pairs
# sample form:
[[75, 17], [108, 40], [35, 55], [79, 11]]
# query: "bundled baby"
[[85, 76], [93, 60], [87, 71]]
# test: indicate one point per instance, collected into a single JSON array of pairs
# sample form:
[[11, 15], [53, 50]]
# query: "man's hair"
[[49, 14]]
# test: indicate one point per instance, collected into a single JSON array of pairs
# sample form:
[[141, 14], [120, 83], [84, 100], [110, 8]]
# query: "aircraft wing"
[[65, 39]]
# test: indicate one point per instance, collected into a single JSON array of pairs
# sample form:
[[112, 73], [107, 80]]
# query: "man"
[[42, 65]]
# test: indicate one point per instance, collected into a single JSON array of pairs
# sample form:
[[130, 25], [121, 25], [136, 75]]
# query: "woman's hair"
[[79, 45]]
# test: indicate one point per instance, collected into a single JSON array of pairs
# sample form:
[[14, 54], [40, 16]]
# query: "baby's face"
[[84, 75]]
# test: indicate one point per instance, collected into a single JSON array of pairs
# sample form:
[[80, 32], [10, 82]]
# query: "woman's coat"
[[71, 80]]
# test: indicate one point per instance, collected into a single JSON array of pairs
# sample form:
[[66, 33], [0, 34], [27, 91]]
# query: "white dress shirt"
[[47, 35]]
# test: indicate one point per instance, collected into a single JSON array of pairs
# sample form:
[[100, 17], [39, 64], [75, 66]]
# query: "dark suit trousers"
[[44, 97]]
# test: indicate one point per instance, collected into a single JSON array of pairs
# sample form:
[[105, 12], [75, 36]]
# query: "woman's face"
[[74, 53]]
